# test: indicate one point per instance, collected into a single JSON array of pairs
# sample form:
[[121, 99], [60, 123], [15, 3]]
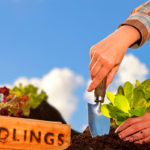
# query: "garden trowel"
[[98, 123]]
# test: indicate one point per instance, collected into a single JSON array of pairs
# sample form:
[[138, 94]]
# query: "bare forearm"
[[128, 34]]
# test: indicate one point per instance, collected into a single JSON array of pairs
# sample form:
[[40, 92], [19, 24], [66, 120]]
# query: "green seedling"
[[128, 102]]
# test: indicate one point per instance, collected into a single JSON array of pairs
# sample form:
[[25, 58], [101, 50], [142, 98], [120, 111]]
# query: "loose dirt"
[[111, 141]]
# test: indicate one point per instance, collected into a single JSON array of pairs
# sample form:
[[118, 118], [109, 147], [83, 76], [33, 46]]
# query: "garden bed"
[[111, 141]]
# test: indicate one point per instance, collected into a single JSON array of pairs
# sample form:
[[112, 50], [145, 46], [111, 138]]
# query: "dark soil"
[[111, 141], [47, 112]]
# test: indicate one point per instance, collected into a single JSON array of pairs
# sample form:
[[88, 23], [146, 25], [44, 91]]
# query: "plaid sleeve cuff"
[[141, 22]]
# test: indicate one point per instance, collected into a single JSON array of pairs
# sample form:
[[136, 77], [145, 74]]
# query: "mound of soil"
[[47, 112], [111, 141]]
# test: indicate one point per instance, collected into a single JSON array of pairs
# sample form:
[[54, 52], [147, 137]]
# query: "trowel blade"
[[98, 123]]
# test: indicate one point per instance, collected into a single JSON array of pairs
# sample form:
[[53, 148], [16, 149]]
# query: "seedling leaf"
[[138, 95], [108, 111], [146, 85], [122, 103], [128, 90], [110, 97], [142, 102], [137, 83], [139, 111], [120, 90]]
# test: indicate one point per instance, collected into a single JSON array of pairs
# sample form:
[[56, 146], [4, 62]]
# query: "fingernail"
[[137, 142], [116, 130], [126, 139], [89, 89], [120, 136]]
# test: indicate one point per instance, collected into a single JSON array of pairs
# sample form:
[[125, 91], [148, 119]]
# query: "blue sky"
[[37, 36]]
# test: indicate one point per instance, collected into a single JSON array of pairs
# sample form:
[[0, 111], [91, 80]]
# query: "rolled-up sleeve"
[[140, 19]]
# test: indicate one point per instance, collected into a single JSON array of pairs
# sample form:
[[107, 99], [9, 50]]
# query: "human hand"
[[107, 55], [136, 129]]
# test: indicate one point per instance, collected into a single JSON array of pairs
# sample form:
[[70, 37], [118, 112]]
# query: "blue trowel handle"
[[101, 90]]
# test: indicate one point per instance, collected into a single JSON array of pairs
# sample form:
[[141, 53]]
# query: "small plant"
[[128, 102], [31, 91], [11, 105], [18, 101]]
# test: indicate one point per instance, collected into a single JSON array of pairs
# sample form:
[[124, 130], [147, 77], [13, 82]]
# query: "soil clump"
[[111, 141]]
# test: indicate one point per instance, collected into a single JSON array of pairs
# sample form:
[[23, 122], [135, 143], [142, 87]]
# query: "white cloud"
[[59, 84], [89, 96], [130, 69]]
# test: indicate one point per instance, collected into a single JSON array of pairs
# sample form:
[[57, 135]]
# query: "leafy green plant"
[[34, 98], [128, 102], [11, 105]]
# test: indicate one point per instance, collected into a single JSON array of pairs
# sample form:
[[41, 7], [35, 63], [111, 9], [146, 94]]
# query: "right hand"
[[106, 56]]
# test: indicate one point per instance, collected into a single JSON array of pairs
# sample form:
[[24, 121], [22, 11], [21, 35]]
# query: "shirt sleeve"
[[140, 19]]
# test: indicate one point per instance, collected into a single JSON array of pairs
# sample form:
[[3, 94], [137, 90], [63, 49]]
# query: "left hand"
[[136, 129]]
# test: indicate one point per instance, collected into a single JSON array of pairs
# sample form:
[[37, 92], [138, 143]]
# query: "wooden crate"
[[30, 134]]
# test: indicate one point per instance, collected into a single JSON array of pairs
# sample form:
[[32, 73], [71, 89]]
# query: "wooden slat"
[[29, 134]]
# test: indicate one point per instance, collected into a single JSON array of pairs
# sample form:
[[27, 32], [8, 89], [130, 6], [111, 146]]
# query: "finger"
[[143, 141], [133, 129], [128, 123], [91, 52], [96, 67], [102, 73], [138, 136], [93, 60], [111, 75]]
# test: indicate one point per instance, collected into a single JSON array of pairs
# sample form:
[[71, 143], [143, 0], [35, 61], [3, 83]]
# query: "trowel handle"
[[101, 89]]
